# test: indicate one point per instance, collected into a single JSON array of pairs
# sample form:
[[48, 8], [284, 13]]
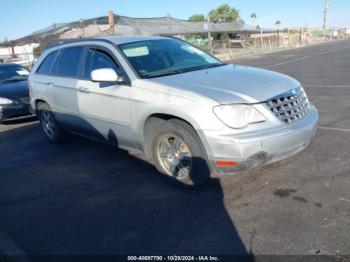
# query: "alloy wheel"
[[174, 156], [48, 124]]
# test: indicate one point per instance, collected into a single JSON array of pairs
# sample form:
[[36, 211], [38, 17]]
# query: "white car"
[[187, 112]]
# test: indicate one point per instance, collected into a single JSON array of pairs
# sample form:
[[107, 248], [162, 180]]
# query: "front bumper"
[[247, 151], [14, 111]]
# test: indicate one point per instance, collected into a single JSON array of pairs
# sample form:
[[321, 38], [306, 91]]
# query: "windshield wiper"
[[169, 73], [210, 66], [180, 71]]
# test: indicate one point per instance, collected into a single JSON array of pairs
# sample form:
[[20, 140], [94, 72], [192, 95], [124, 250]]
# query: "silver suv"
[[188, 113]]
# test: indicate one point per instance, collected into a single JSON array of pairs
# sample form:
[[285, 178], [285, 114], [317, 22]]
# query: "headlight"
[[238, 116], [303, 90], [5, 101]]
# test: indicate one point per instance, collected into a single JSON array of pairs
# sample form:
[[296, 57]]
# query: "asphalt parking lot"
[[89, 198]]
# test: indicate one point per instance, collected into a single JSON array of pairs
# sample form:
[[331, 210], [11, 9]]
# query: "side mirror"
[[104, 75]]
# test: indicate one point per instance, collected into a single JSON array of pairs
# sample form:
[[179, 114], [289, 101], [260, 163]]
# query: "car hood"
[[14, 89], [231, 84]]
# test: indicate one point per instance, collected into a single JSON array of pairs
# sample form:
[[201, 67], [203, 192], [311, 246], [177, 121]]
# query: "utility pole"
[[13, 52], [168, 17], [82, 26], [209, 36], [111, 21], [325, 14]]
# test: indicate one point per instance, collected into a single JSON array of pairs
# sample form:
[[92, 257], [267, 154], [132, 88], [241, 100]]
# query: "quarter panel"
[[148, 98], [40, 90]]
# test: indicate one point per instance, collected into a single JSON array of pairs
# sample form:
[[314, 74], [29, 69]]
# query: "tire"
[[49, 124], [186, 166]]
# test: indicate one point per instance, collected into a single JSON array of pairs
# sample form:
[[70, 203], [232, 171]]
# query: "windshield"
[[156, 58], [11, 73]]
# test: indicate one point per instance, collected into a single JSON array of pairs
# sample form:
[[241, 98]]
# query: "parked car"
[[187, 112], [14, 92]]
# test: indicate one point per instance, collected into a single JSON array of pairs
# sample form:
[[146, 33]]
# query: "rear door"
[[40, 83], [66, 74], [106, 106]]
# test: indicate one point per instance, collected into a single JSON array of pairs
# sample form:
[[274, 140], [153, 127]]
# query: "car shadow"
[[89, 198]]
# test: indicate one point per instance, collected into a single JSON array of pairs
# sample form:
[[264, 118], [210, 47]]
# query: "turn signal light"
[[226, 163]]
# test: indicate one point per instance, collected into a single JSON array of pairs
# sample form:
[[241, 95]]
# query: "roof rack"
[[69, 41]]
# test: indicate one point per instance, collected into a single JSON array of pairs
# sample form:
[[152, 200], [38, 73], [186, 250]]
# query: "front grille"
[[289, 107], [26, 100]]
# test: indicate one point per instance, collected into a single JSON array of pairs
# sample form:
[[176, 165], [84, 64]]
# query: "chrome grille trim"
[[289, 107]]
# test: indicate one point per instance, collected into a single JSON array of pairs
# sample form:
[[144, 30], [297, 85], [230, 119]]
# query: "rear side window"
[[46, 65], [97, 59], [68, 62]]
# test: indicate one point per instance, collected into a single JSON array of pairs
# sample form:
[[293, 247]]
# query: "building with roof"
[[122, 25], [113, 24]]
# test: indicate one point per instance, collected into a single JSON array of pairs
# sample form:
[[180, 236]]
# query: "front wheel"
[[178, 153]]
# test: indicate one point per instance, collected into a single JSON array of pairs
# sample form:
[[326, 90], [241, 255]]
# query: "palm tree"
[[253, 17], [278, 23]]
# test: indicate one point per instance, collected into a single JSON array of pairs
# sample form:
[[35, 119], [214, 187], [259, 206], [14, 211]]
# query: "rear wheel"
[[49, 125], [177, 152]]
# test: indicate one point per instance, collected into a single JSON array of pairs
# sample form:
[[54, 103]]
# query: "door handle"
[[84, 90]]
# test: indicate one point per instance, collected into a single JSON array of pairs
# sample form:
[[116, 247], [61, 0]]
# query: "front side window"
[[97, 59], [68, 62], [13, 73], [156, 58], [46, 65]]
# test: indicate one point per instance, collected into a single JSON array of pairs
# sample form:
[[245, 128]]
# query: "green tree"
[[197, 18], [224, 13]]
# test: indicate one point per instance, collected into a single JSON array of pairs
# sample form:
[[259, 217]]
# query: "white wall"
[[24, 53]]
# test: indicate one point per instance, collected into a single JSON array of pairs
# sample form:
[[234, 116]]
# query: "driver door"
[[105, 106]]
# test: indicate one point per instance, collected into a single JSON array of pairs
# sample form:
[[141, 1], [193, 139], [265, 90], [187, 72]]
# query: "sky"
[[21, 17]]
